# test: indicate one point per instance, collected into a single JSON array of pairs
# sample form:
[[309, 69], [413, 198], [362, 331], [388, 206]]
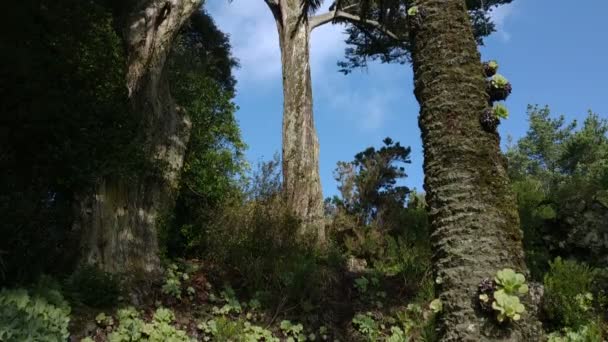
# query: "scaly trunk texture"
[[118, 221], [301, 179], [474, 219]]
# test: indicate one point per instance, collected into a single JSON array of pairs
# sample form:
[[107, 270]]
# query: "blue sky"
[[552, 52]]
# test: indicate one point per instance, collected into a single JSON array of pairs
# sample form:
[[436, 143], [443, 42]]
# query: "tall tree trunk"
[[474, 219], [118, 221], [301, 179]]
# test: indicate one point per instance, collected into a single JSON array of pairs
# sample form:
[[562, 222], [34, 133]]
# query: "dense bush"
[[568, 301], [253, 239], [65, 123], [93, 287], [40, 315]]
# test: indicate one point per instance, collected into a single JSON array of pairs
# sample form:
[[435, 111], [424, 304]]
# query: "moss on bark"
[[474, 219]]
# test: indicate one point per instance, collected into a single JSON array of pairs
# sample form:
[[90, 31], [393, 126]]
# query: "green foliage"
[[493, 64], [508, 306], [559, 174], [591, 332], [566, 299], [33, 317], [293, 332], [500, 111], [226, 329], [132, 328], [231, 303], [367, 326], [91, 286], [200, 73], [173, 281], [66, 123], [253, 240], [367, 43], [368, 184]]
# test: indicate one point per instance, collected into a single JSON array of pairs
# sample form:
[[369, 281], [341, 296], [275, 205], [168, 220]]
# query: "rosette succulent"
[[511, 282], [500, 111], [509, 307], [490, 68], [499, 88]]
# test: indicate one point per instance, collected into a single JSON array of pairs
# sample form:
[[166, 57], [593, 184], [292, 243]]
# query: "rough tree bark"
[[118, 220], [301, 179], [474, 219]]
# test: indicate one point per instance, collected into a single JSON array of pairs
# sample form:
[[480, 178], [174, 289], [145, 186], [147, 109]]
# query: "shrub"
[[33, 317], [255, 241], [591, 332], [91, 286], [566, 280]]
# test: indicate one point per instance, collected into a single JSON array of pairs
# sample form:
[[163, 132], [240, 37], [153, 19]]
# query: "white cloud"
[[255, 41], [499, 16]]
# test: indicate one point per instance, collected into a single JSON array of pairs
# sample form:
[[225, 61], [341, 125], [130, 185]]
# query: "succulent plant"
[[436, 305], [498, 81], [412, 11], [511, 282], [500, 111], [490, 68], [499, 88], [508, 306]]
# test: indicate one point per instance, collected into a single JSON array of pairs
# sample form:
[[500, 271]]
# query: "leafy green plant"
[[226, 329], [500, 111], [25, 317], [93, 287], [508, 306], [173, 282], [412, 11], [293, 332], [231, 303], [361, 284], [367, 326], [132, 328], [565, 283]]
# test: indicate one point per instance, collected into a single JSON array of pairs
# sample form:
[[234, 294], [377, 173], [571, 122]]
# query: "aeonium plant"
[[498, 88], [490, 68], [501, 295]]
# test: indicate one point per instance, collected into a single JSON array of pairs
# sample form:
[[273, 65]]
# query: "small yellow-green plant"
[[499, 81], [508, 306], [412, 11], [500, 111], [501, 295]]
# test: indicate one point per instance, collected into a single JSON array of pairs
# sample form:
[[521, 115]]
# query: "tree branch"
[[322, 19]]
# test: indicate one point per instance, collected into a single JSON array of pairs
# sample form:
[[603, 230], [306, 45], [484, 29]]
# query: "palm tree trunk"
[[118, 220], [301, 179], [474, 219]]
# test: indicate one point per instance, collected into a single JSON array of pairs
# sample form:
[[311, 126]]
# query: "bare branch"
[[324, 18]]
